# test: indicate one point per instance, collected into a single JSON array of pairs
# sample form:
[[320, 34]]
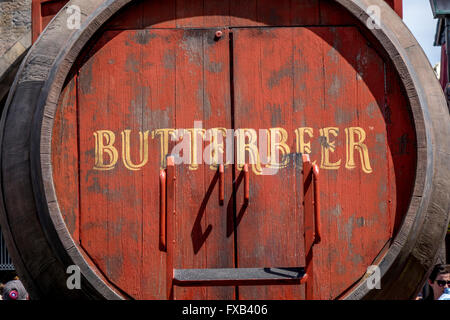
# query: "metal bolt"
[[219, 34]]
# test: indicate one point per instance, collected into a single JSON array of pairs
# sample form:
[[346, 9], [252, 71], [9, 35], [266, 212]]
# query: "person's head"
[[439, 280], [14, 290], [1, 290]]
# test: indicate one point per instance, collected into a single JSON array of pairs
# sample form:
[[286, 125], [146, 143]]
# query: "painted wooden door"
[[322, 90], [203, 103], [317, 90], [130, 101]]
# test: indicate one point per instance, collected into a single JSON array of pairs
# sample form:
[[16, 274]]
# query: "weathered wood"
[[269, 228], [281, 80], [239, 276]]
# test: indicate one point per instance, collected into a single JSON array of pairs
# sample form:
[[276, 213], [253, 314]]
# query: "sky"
[[418, 17]]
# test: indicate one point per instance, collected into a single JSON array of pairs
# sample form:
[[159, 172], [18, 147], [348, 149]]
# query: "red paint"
[[319, 76]]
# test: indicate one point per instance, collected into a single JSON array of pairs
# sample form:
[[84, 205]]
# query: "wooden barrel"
[[94, 112]]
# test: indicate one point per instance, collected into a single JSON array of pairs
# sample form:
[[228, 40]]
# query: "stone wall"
[[15, 39], [15, 21]]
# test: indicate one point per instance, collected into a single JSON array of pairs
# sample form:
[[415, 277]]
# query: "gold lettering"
[[264, 147], [164, 142], [273, 148], [302, 146], [108, 148], [196, 152], [214, 152], [143, 150], [360, 146], [251, 147], [278, 144], [182, 150], [327, 145]]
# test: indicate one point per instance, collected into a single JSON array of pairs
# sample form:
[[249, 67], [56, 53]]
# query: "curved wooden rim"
[[410, 257], [417, 241]]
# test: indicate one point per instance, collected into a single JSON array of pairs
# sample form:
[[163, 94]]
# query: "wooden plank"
[[158, 83], [126, 233], [191, 229], [309, 99], [65, 157], [332, 13], [202, 93], [217, 113], [268, 227], [239, 276]]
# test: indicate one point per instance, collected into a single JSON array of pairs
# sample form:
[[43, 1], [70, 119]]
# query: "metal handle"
[[162, 210], [221, 184], [317, 235], [246, 184]]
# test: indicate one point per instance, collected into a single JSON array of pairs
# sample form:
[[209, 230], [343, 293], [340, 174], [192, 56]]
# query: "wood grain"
[[41, 79]]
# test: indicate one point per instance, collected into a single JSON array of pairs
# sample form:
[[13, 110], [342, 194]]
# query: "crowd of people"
[[438, 285]]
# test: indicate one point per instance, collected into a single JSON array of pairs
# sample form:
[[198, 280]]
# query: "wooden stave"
[[399, 255], [401, 262]]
